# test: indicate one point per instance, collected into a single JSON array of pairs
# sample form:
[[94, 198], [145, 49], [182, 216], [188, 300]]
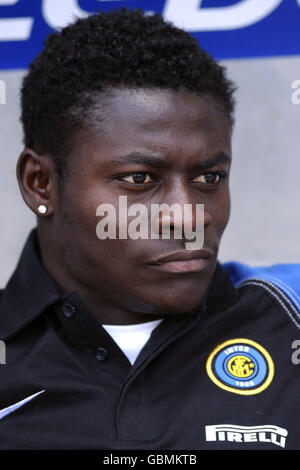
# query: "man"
[[136, 343]]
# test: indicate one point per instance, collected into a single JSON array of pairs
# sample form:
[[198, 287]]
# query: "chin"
[[183, 307]]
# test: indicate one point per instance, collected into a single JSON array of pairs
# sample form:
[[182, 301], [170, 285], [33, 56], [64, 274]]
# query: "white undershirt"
[[132, 338]]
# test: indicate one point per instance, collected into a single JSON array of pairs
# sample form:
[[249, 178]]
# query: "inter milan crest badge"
[[240, 366]]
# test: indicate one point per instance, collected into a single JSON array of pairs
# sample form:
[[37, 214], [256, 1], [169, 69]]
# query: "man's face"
[[151, 146]]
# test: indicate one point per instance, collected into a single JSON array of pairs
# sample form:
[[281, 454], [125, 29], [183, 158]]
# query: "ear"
[[37, 181]]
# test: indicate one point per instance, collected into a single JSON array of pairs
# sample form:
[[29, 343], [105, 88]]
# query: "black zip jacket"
[[225, 377]]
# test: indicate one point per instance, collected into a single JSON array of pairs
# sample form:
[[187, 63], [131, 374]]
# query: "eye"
[[137, 178], [213, 178]]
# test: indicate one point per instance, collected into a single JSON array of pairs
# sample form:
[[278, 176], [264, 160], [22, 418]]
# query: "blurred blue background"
[[226, 28]]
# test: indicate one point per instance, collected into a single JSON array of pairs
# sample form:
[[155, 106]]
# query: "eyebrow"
[[219, 157], [138, 158]]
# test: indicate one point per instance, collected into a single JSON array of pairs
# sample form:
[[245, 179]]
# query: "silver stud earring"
[[42, 209]]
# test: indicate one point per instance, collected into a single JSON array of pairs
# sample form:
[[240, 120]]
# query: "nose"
[[182, 212]]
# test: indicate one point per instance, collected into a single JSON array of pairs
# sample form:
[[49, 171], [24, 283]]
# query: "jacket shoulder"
[[281, 280], [1, 295]]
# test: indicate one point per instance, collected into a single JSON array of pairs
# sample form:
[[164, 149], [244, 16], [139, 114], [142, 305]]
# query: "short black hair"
[[109, 49]]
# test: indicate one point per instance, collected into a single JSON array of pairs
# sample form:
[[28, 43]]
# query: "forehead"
[[163, 121]]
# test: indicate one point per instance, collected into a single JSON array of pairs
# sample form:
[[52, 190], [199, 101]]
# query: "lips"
[[183, 261], [184, 255]]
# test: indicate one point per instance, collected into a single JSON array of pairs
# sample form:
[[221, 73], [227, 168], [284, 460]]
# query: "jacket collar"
[[31, 290], [221, 292]]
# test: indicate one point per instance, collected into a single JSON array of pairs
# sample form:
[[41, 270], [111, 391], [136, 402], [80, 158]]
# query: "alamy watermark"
[[154, 224], [296, 94], [2, 92], [296, 354]]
